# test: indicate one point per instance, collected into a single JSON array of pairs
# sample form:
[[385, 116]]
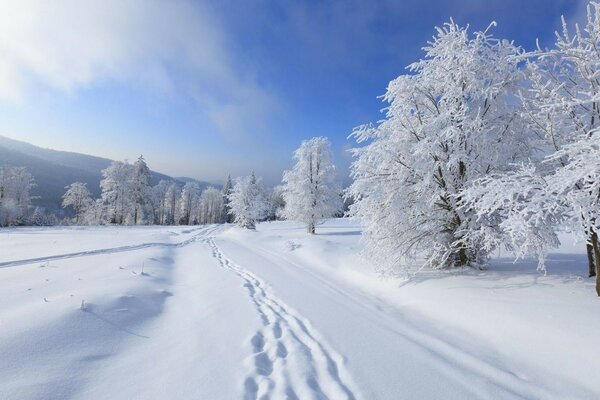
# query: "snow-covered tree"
[[516, 210], [210, 206], [188, 202], [310, 190], [171, 203], [275, 203], [452, 121], [227, 216], [140, 190], [247, 201], [96, 213], [15, 198], [558, 188], [577, 184], [116, 191], [566, 112], [158, 201], [79, 198]]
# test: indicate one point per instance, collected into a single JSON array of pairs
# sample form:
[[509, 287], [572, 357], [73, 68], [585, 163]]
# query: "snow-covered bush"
[[310, 190]]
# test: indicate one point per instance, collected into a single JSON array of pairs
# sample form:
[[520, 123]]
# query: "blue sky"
[[206, 88]]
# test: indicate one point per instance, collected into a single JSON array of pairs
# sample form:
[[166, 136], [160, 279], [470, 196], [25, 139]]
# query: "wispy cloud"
[[174, 47]]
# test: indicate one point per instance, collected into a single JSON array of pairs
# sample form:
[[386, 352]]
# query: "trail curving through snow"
[[289, 359]]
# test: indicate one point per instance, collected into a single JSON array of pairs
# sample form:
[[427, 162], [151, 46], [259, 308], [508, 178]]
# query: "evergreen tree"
[[227, 216], [247, 201]]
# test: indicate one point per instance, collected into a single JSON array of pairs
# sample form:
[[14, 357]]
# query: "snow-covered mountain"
[[54, 169]]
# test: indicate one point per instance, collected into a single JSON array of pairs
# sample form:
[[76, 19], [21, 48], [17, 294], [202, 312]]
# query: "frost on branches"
[[452, 121], [559, 189], [79, 197], [310, 191], [247, 201], [15, 199], [566, 112]]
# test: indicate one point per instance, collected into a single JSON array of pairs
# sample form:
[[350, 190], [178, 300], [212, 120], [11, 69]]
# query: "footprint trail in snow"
[[289, 360]]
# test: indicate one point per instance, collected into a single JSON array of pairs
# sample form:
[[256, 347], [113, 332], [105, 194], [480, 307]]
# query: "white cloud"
[[172, 46]]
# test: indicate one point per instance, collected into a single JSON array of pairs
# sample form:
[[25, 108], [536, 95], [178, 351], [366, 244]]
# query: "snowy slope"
[[223, 313]]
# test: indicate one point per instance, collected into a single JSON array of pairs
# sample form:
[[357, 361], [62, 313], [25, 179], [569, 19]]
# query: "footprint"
[[258, 342], [281, 350], [251, 389], [291, 395], [277, 330], [263, 364]]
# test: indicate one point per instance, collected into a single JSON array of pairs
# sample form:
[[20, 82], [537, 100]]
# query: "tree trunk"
[[596, 248], [311, 228], [462, 257], [590, 255]]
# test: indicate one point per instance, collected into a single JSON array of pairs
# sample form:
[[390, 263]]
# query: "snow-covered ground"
[[221, 313]]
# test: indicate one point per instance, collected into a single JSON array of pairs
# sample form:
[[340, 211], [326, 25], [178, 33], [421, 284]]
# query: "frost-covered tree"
[[558, 188], [247, 201], [158, 201], [450, 122], [15, 195], [79, 198], [188, 202], [516, 210], [210, 206], [139, 190], [116, 191], [310, 190], [96, 213], [565, 111], [577, 184], [275, 203], [171, 203], [227, 216]]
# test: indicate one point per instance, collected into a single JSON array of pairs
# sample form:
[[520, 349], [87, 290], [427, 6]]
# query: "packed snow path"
[[288, 358], [224, 313]]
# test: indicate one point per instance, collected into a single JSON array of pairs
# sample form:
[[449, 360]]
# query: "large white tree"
[[310, 190], [453, 120], [116, 187], [79, 198], [246, 201]]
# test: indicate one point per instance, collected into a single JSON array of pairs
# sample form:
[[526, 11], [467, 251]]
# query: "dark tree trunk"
[[596, 248], [590, 255], [311, 228]]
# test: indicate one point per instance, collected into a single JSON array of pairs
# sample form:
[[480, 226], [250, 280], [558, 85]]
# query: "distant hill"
[[53, 170]]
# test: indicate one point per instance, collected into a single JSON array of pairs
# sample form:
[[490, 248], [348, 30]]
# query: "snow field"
[[225, 313]]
